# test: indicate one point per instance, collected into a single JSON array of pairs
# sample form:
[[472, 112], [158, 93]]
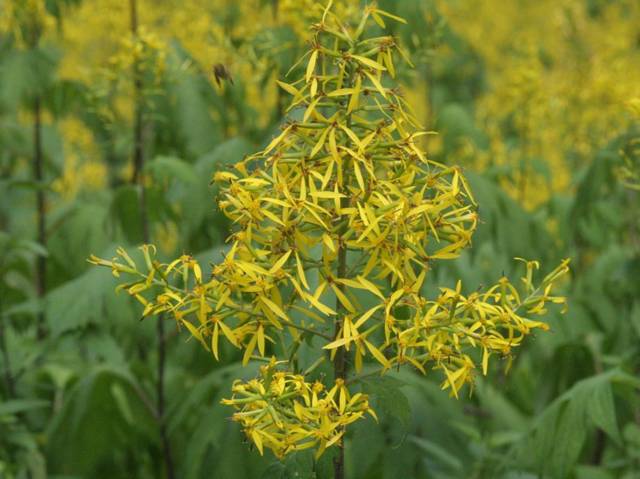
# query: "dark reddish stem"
[[38, 176], [138, 179]]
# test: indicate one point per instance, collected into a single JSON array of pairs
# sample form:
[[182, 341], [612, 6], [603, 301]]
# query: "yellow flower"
[[285, 413], [556, 76], [340, 210]]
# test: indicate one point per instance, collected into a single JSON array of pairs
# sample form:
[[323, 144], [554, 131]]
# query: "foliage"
[[543, 88]]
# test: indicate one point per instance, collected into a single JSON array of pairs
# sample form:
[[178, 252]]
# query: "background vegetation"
[[538, 100]]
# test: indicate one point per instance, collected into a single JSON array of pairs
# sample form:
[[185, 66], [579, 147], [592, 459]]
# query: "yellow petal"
[[311, 65], [377, 354], [280, 263], [369, 62], [301, 275], [274, 307]]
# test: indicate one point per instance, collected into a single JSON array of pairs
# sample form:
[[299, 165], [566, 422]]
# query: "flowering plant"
[[338, 223]]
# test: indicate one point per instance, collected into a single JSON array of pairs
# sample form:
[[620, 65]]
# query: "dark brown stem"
[[138, 151], [8, 376], [310, 331], [339, 361], [600, 442], [634, 233], [429, 86], [138, 157], [138, 179], [38, 176], [600, 439], [526, 158], [164, 437]]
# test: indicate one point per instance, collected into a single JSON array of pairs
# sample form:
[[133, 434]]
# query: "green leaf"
[[365, 445], [82, 229], [438, 453], [504, 412], [168, 168], [192, 118], [64, 96], [225, 154], [90, 298], [296, 466], [15, 406], [602, 412], [126, 210], [388, 398], [559, 432], [91, 430], [543, 438], [25, 73], [569, 438], [593, 472], [455, 124]]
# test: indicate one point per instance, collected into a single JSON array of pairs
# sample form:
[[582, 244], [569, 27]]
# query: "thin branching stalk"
[[38, 176], [339, 362], [160, 388], [6, 360], [138, 179], [526, 159], [138, 157], [634, 224], [429, 83], [340, 359]]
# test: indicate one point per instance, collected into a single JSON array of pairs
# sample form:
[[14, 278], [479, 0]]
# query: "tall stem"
[[138, 179], [526, 159], [339, 361], [138, 156], [38, 176], [429, 117], [8, 376], [160, 390], [634, 224]]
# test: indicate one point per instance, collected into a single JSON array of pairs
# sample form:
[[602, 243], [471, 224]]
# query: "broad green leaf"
[[438, 453], [15, 406], [602, 412], [388, 398]]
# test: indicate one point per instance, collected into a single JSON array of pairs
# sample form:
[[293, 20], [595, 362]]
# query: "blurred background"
[[538, 100]]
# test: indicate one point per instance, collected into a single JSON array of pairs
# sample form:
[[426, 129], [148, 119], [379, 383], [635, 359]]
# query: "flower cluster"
[[441, 332], [285, 413], [557, 74], [629, 172], [26, 20], [143, 52], [338, 223]]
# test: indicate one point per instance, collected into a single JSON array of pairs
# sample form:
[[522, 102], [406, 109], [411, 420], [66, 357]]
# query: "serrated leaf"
[[388, 398], [602, 412], [438, 453]]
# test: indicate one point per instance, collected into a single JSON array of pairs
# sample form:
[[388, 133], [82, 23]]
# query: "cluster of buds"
[[144, 53], [629, 172], [26, 20], [285, 413]]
